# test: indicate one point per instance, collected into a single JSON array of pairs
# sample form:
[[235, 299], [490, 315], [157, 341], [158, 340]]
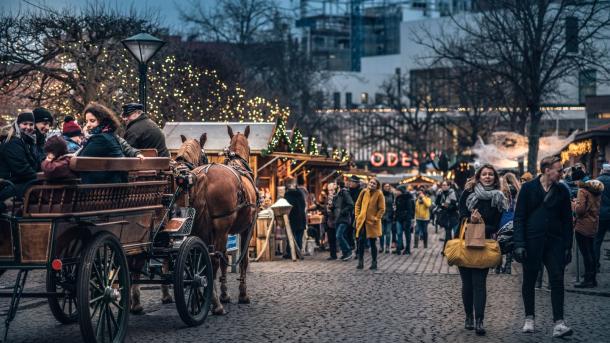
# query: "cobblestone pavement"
[[320, 301]]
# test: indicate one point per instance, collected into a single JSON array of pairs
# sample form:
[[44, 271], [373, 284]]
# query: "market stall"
[[591, 147]]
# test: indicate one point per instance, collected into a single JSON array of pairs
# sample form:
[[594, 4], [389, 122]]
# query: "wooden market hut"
[[422, 180], [591, 147]]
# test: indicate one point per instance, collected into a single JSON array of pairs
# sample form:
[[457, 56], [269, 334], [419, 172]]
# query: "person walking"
[[543, 233], [331, 233], [342, 207], [369, 211], [447, 211], [405, 212], [354, 191], [481, 202], [296, 217], [604, 214], [422, 217], [510, 187], [388, 219], [586, 209]]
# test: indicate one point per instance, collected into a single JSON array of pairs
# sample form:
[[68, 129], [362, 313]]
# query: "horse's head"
[[191, 150], [239, 143]]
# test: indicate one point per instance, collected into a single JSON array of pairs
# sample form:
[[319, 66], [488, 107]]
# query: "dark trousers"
[[362, 243], [349, 235], [604, 226], [550, 252], [474, 291], [448, 236], [331, 234], [585, 245]]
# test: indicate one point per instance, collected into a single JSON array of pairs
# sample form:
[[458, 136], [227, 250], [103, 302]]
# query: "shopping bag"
[[458, 254], [475, 235]]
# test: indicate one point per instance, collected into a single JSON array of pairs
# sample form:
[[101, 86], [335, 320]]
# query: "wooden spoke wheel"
[[103, 291], [63, 308], [193, 281]]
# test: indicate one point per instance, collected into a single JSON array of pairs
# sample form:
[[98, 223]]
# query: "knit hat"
[[25, 116], [128, 108], [42, 114], [71, 128], [56, 145]]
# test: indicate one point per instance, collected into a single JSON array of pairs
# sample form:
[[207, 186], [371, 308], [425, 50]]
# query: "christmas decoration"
[[312, 146], [279, 139], [297, 144]]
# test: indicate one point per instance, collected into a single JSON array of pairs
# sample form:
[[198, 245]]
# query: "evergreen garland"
[[312, 146], [280, 136], [297, 144]]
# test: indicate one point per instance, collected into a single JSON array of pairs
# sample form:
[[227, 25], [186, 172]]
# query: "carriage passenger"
[[72, 134], [57, 163], [102, 124], [43, 120], [141, 132], [18, 154]]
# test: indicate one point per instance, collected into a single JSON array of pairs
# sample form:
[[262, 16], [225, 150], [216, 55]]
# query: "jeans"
[[332, 241], [603, 227], [362, 240], [474, 291], [585, 245], [548, 250], [403, 226], [448, 236], [386, 234], [345, 248], [422, 230]]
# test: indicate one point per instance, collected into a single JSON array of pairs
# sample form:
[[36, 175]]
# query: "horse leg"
[[217, 308], [135, 306], [224, 296], [166, 297], [243, 268]]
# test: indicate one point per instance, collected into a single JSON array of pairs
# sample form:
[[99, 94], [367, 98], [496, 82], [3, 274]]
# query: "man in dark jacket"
[[543, 234], [354, 191], [18, 154], [43, 120], [405, 213], [342, 208], [296, 216], [141, 132], [604, 213]]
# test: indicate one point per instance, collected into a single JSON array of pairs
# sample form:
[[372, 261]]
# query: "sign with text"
[[400, 159]]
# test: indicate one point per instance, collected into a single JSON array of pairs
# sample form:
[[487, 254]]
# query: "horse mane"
[[189, 151], [239, 144]]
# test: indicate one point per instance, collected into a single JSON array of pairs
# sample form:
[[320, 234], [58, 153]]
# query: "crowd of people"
[[33, 144], [543, 213]]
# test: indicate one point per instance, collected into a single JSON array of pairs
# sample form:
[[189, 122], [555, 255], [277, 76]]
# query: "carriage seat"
[[127, 164]]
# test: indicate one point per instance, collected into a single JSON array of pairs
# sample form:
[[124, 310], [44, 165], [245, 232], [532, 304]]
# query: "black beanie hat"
[[25, 116], [42, 114]]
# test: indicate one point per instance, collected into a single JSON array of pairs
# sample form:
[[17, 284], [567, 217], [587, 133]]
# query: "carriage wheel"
[[193, 281], [103, 291], [64, 308]]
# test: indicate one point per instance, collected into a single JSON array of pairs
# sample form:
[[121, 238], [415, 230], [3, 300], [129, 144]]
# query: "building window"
[[336, 100], [379, 99], [587, 84], [348, 100], [572, 34], [364, 98]]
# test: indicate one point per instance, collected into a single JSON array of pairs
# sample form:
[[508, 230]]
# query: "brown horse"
[[190, 155], [225, 198]]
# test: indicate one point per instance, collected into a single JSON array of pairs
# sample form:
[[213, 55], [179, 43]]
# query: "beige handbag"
[[475, 235]]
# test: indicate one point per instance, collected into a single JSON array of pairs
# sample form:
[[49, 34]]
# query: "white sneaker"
[[528, 327], [561, 329]]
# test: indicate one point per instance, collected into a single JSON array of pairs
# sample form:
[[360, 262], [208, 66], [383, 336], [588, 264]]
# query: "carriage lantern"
[[143, 47]]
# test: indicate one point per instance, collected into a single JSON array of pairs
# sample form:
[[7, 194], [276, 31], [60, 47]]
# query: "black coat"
[[355, 193], [491, 215], [342, 207], [297, 213], [447, 217], [19, 159], [39, 147], [102, 145], [389, 198], [405, 207], [604, 207], [143, 133], [539, 214]]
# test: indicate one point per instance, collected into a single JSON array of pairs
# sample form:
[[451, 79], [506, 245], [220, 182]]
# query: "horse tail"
[[198, 194]]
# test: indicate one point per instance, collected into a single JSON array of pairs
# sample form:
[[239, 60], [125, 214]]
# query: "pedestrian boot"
[[585, 284], [415, 241], [479, 328], [373, 265], [360, 263], [469, 323], [507, 269]]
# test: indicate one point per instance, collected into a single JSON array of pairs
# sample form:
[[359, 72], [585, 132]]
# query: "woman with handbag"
[[481, 202]]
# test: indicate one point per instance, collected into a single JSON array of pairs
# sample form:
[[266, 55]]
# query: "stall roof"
[[600, 131], [317, 161], [218, 139]]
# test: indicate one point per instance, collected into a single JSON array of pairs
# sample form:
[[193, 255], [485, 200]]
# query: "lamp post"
[[143, 47]]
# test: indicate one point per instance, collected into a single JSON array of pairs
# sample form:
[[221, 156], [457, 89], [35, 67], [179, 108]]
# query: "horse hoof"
[[225, 299], [244, 300], [220, 311], [167, 301], [137, 310]]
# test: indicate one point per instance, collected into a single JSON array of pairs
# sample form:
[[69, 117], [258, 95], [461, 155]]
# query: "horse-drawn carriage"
[[90, 238]]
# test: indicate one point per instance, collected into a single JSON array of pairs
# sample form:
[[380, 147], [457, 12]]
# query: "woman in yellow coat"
[[369, 209]]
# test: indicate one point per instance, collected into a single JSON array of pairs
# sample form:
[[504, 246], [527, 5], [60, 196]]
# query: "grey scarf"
[[498, 200]]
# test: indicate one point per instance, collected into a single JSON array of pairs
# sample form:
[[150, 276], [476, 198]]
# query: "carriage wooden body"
[[68, 228]]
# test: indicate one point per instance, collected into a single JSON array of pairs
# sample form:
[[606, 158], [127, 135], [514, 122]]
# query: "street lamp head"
[[143, 46]]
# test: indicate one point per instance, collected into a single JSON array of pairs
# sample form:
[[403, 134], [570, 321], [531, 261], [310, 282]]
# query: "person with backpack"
[[510, 186]]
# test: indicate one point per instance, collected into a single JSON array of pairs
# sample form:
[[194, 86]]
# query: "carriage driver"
[[141, 132]]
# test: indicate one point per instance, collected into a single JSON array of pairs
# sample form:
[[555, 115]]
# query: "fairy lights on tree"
[[280, 140], [312, 146], [297, 144]]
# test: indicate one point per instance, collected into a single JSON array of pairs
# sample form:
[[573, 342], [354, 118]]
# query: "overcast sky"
[[167, 9]]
